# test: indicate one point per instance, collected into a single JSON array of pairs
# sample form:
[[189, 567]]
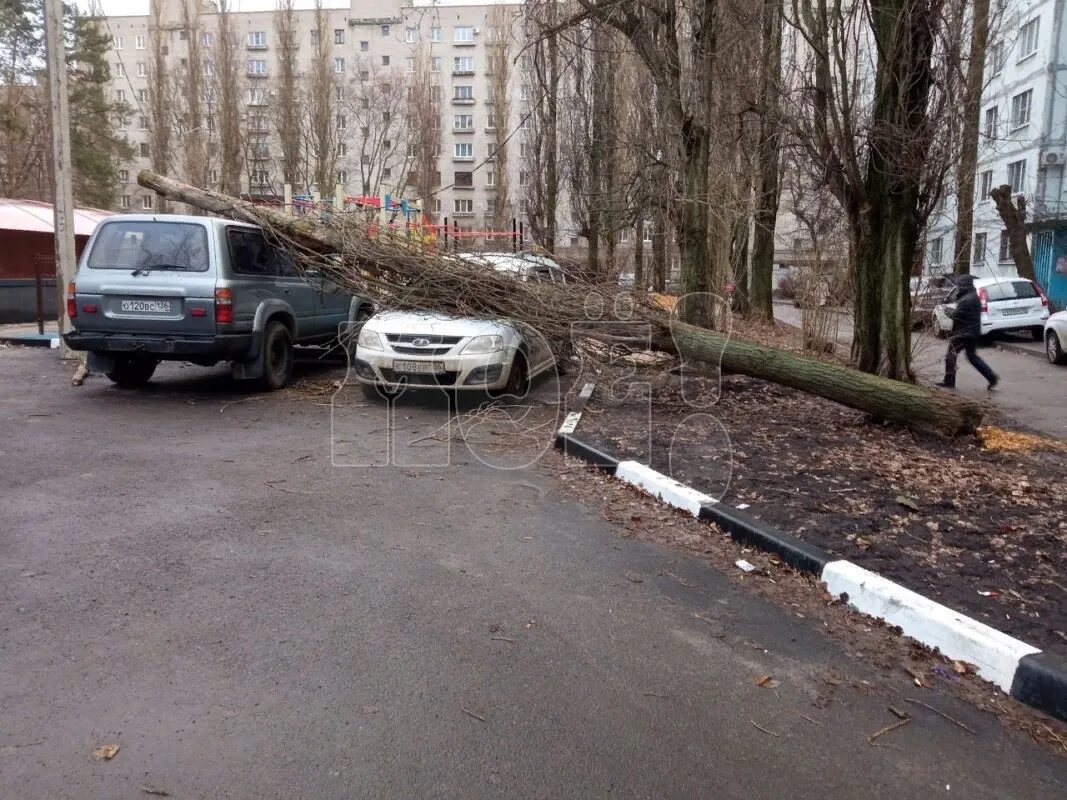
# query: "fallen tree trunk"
[[395, 274]]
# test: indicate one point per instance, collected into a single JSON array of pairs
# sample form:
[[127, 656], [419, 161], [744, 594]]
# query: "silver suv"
[[183, 288]]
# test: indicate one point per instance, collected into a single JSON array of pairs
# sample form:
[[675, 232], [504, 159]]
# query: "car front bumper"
[[482, 371]]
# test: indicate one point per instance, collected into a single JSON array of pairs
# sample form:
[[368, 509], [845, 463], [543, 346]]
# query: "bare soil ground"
[[980, 526]]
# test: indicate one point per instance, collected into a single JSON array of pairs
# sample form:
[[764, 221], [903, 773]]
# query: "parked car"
[[1008, 304], [527, 267], [1056, 338], [398, 349], [926, 295], [183, 288]]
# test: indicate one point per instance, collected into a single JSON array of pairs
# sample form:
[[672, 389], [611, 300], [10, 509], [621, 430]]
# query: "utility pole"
[[63, 193]]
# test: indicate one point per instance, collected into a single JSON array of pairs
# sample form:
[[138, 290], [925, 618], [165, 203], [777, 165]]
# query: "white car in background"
[[1056, 338], [1008, 304], [421, 350]]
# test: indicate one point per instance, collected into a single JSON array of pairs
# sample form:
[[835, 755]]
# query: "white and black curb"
[[1031, 676]]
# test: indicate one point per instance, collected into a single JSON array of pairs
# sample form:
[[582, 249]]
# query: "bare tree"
[[424, 128], [286, 110], [542, 57], [162, 98], [192, 99], [498, 52], [228, 86], [322, 104], [371, 117]]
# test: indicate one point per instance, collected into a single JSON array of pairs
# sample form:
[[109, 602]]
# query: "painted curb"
[[1031, 676], [1009, 347]]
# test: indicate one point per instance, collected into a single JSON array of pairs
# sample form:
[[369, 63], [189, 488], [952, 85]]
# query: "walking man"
[[966, 328]]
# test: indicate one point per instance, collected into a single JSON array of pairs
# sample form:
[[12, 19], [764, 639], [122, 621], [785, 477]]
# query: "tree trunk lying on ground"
[[495, 297]]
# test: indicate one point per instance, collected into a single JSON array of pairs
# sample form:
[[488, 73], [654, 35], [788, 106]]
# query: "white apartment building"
[[1023, 143], [377, 38]]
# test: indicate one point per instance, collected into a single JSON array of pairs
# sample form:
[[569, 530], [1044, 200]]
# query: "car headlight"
[[369, 339], [484, 344]]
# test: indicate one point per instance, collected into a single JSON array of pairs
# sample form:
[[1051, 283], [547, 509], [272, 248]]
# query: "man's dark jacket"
[[967, 316]]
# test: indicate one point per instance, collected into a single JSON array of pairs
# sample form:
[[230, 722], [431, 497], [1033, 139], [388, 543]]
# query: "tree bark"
[[901, 402], [972, 112], [639, 256], [659, 251], [1014, 217], [767, 189]]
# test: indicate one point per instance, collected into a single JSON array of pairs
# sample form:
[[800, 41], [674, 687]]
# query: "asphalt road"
[[190, 578], [1032, 390]]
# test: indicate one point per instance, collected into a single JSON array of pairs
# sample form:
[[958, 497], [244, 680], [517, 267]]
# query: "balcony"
[[462, 73], [462, 214], [463, 101], [457, 131]]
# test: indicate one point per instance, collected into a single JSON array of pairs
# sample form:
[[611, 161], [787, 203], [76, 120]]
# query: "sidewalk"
[[1032, 391], [25, 334]]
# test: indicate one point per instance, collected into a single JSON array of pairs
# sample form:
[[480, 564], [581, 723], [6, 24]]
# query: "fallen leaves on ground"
[[106, 752]]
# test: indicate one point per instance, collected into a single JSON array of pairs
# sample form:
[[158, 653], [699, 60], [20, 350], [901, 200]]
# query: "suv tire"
[[130, 371], [518, 384], [277, 356]]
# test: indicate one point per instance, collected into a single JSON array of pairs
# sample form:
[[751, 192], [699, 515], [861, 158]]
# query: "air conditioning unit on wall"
[[1053, 158]]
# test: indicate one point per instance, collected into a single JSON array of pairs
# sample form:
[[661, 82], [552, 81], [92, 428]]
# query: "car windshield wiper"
[[149, 267]]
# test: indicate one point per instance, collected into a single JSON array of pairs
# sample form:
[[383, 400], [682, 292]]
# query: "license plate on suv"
[[146, 306], [421, 367], [1012, 312]]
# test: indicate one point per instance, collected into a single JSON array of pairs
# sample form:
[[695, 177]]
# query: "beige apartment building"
[[377, 47]]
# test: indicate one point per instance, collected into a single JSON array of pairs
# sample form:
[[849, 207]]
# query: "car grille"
[[420, 378], [428, 344]]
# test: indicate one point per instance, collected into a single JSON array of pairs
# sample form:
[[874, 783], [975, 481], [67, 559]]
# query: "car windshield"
[[1011, 290], [150, 245]]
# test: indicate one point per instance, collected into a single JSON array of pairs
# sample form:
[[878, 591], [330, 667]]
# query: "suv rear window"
[[163, 245], [1011, 290]]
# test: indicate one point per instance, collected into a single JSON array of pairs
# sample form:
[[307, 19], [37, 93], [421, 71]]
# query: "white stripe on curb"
[[666, 489], [995, 654], [570, 422]]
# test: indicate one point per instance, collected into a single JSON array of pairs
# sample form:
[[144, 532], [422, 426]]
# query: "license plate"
[[422, 367], [1011, 312], [146, 306]]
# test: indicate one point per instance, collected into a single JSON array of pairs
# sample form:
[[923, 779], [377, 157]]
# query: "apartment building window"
[[463, 92], [1017, 175], [463, 35], [142, 122], [490, 206], [435, 94], [1005, 247], [257, 97], [120, 95], [409, 63], [1020, 108], [257, 66], [1028, 38], [260, 177], [141, 71], [997, 57], [342, 176], [435, 64], [364, 75], [435, 34], [385, 61], [211, 122], [464, 180], [491, 154], [144, 149], [146, 202], [490, 178], [342, 149], [524, 92], [978, 256], [624, 236], [464, 206], [985, 185], [125, 203], [257, 39], [339, 66], [524, 150], [209, 68], [338, 93], [209, 39], [120, 70], [124, 175], [138, 41], [387, 172], [116, 42], [935, 251], [527, 62], [463, 151], [490, 120], [463, 65], [463, 122], [364, 46], [338, 35], [213, 176], [991, 120], [142, 95], [385, 30], [522, 177], [411, 35], [342, 122]]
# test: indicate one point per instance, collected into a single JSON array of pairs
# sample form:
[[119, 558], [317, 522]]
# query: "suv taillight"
[[72, 307], [223, 305], [1042, 295], [985, 300]]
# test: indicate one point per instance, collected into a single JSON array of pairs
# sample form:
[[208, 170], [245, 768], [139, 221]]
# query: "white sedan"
[[1008, 304], [1056, 338], [407, 349]]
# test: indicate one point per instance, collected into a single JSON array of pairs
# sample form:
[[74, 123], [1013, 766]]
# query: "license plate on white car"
[[1011, 312], [146, 306], [422, 367]]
